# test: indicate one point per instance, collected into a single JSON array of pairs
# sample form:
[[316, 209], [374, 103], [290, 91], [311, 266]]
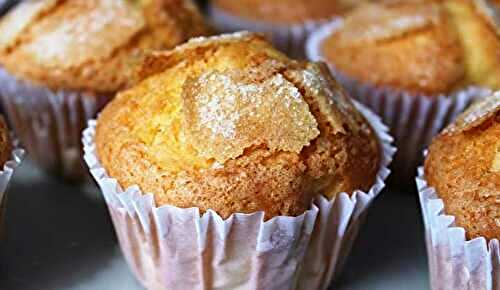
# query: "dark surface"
[[60, 237]]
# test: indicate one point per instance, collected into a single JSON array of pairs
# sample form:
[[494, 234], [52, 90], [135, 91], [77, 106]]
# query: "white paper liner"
[[6, 174], [49, 123], [290, 39], [413, 119], [454, 262], [175, 248]]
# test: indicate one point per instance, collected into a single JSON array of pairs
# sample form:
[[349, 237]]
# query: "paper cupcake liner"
[[49, 123], [290, 39], [413, 119], [454, 262], [6, 174], [176, 248]]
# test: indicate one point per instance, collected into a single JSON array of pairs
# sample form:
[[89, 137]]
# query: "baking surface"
[[60, 236]]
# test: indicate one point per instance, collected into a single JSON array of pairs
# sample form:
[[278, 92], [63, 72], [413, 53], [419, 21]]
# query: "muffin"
[[10, 158], [287, 22], [230, 133], [285, 11], [416, 63], [5, 142], [463, 165], [63, 60], [441, 47], [462, 176]]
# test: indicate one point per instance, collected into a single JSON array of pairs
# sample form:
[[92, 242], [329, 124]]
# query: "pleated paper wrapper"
[[412, 119], [175, 248], [289, 38], [454, 262], [6, 174], [49, 123]]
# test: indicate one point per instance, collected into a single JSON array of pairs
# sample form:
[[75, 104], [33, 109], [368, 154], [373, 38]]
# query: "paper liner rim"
[[428, 193], [13, 163], [7, 170], [33, 85], [101, 176], [17, 156]]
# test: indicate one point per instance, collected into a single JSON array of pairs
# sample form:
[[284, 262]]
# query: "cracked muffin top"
[[228, 123], [286, 11], [88, 44], [463, 165], [421, 46]]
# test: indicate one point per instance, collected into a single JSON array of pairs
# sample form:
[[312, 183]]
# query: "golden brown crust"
[[464, 167], [5, 143], [88, 45], [141, 138], [286, 11], [424, 55], [490, 12], [480, 43]]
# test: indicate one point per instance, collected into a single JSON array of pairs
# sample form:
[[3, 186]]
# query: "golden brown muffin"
[[229, 123], [285, 11], [463, 165], [422, 46], [5, 143], [88, 44]]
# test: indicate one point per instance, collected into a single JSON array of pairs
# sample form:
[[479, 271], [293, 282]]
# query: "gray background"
[[59, 236]]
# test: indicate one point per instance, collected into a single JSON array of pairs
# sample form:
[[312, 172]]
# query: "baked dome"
[[88, 44], [229, 123], [463, 165], [421, 46], [286, 11]]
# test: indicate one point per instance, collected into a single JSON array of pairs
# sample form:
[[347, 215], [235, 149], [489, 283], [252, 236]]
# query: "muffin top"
[[421, 46], [463, 165], [88, 44], [228, 123], [5, 143], [286, 11]]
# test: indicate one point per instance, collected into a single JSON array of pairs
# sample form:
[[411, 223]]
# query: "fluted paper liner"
[[289, 38], [49, 123], [454, 262], [412, 119], [6, 173], [176, 248]]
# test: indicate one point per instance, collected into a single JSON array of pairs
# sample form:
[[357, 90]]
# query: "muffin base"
[[413, 119], [454, 262], [49, 123], [290, 39], [175, 248]]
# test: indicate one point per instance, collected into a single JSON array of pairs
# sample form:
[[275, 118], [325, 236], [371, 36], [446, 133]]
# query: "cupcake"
[[460, 197], [63, 60], [10, 157], [242, 168], [287, 22], [416, 63]]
